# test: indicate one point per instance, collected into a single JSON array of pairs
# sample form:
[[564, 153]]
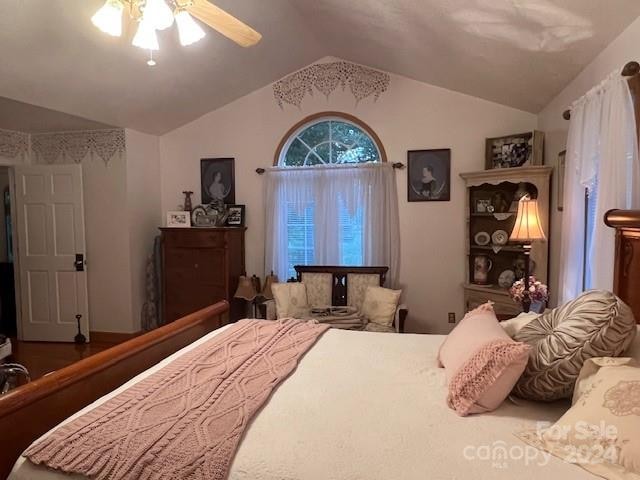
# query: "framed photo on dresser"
[[236, 215]]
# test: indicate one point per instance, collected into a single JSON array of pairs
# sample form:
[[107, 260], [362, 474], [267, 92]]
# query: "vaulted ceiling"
[[516, 52]]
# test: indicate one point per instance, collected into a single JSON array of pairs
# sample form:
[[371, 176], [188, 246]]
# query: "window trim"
[[305, 122]]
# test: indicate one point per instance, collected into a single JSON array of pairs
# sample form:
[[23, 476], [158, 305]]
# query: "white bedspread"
[[372, 406]]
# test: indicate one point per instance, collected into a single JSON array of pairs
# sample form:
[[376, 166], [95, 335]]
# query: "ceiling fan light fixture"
[[146, 37], [109, 18], [188, 30], [158, 13]]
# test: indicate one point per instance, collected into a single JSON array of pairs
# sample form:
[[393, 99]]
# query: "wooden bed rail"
[[31, 410]]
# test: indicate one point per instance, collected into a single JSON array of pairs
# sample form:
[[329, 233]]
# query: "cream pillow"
[[515, 324], [379, 305], [291, 300], [601, 431]]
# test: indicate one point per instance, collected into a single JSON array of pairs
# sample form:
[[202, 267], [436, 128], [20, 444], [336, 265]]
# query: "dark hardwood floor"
[[41, 358]]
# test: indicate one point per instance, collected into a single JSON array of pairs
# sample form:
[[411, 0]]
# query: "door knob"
[[79, 262]]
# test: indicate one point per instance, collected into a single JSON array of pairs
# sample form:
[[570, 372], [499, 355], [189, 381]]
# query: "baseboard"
[[112, 337]]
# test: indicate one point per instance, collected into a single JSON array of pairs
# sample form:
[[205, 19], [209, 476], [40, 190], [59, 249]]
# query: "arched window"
[[327, 215], [329, 138]]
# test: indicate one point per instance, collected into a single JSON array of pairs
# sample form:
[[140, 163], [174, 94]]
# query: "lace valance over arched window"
[[326, 77]]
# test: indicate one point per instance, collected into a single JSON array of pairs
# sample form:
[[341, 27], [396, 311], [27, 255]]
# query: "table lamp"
[[527, 229], [270, 280], [246, 289]]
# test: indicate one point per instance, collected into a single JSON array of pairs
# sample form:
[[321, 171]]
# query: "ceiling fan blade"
[[226, 24]]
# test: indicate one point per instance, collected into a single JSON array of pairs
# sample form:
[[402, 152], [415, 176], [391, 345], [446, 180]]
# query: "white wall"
[[107, 237], [622, 50], [411, 115], [143, 201]]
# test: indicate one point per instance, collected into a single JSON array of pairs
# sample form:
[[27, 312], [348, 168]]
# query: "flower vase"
[[537, 306]]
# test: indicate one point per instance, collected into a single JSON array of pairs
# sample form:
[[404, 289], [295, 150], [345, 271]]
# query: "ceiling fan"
[[153, 15]]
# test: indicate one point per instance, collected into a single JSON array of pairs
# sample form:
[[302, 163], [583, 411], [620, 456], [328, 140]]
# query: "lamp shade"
[[146, 37], [109, 18], [158, 14], [188, 30], [528, 226], [246, 289], [270, 280]]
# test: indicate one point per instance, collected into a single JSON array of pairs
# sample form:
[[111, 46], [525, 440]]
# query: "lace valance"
[[326, 77], [75, 146], [14, 144]]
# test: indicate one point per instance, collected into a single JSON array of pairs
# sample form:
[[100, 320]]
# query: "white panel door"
[[50, 231]]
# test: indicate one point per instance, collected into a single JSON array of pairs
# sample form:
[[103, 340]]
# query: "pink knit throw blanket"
[[184, 421]]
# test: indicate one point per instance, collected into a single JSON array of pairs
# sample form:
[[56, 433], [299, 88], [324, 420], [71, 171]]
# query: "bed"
[[376, 410], [359, 405]]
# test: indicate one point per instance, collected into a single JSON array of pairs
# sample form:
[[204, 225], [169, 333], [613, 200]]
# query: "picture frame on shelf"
[[236, 215], [179, 219], [217, 180], [517, 150], [483, 205], [429, 175]]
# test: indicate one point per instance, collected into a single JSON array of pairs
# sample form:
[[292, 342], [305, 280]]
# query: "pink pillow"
[[482, 362]]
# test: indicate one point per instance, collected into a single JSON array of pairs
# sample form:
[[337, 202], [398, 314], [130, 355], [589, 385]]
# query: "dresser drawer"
[[194, 238], [203, 263], [198, 296], [182, 299]]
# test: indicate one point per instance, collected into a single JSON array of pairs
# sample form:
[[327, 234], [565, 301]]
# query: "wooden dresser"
[[626, 279], [201, 266]]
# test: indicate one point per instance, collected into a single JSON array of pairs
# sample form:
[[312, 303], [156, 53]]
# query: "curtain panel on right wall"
[[602, 160]]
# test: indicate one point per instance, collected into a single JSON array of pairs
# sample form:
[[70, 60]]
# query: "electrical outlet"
[[452, 317]]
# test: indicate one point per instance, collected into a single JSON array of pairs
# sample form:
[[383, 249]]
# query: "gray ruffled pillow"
[[596, 324]]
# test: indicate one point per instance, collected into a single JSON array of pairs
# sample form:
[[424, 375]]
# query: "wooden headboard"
[[626, 279]]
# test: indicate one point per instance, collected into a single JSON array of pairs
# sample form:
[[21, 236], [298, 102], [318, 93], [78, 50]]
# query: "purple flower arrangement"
[[538, 291]]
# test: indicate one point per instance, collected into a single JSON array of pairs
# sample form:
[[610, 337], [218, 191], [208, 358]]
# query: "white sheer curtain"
[[602, 157], [366, 192]]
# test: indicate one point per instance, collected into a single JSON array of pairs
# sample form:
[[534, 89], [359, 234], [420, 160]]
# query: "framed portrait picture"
[[217, 178], [519, 150], [236, 215], [179, 219], [429, 175]]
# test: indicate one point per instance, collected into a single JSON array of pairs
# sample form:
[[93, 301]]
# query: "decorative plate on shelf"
[[482, 238], [500, 237], [506, 278]]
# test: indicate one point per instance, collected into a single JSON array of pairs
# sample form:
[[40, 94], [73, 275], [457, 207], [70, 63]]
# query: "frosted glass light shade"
[[158, 14], [528, 226], [189, 31], [146, 37], [109, 18]]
